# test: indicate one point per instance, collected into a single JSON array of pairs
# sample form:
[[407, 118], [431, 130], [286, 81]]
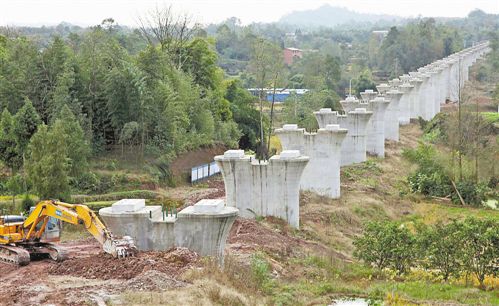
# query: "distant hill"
[[330, 16]]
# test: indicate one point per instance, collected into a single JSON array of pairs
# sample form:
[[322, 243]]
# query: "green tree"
[[266, 64], [26, 122], [300, 109], [386, 245], [47, 165], [65, 93], [50, 65], [9, 153], [244, 114], [364, 81], [15, 186], [77, 146], [441, 245], [479, 243], [332, 72], [201, 63]]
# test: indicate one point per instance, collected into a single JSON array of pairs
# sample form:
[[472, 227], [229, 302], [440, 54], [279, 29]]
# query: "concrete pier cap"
[[264, 188], [368, 95], [404, 78], [322, 173], [383, 88], [394, 82], [202, 228], [350, 103]]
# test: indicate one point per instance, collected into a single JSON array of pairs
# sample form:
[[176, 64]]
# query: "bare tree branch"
[[171, 31]]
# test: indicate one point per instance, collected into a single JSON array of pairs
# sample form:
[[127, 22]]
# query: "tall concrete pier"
[[375, 134], [414, 98], [353, 148], [392, 114], [263, 188], [404, 103], [322, 173], [376, 126]]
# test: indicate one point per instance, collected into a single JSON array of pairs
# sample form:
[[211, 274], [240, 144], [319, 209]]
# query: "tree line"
[[86, 93], [467, 247]]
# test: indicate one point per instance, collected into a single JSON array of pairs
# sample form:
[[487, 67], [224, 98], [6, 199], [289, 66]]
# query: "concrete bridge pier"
[[375, 136], [415, 93], [404, 103], [392, 115], [453, 84], [444, 81], [202, 228], [426, 96], [368, 95], [322, 173], [263, 188], [433, 94], [350, 103], [376, 126], [353, 148]]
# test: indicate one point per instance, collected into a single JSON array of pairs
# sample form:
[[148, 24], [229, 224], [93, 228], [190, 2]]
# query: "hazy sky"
[[91, 12]]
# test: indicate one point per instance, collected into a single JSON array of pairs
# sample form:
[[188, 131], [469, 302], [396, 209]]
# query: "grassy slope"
[[317, 263]]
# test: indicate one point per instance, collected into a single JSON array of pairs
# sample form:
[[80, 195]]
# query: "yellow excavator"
[[20, 237]]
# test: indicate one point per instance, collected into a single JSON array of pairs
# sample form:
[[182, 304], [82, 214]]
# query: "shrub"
[[87, 182], [386, 245], [471, 192], [430, 184], [430, 178], [440, 247], [27, 203], [479, 242]]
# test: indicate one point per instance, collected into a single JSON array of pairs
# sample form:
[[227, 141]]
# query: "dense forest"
[[169, 86]]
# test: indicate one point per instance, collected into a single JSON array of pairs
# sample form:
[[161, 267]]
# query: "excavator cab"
[[52, 231]]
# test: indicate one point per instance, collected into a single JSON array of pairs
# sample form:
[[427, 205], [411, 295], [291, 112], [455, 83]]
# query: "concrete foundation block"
[[290, 126], [289, 154], [128, 205], [234, 154], [206, 206], [145, 226]]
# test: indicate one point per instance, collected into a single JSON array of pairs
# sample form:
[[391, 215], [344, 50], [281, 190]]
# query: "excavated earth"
[[90, 276]]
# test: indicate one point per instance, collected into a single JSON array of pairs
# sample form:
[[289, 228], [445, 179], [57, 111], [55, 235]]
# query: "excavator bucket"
[[120, 247]]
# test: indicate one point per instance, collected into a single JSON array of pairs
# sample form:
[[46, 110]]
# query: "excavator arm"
[[76, 214]]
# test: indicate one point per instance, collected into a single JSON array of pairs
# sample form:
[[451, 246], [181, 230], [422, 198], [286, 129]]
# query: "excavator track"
[[56, 252], [44, 249], [14, 255]]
